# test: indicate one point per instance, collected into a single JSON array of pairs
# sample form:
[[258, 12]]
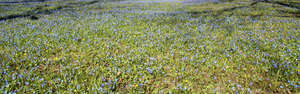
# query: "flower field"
[[148, 46]]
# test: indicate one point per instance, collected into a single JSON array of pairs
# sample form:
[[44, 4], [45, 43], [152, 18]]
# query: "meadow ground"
[[149, 46]]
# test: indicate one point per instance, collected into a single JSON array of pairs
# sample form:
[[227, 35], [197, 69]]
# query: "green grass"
[[111, 47]]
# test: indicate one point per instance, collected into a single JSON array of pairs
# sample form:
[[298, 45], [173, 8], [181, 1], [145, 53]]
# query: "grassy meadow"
[[148, 46]]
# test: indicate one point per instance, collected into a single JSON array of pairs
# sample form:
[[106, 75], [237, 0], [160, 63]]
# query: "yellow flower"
[[186, 81], [55, 58]]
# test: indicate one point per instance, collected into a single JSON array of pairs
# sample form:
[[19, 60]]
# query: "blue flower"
[[26, 83], [249, 90], [141, 84], [281, 87], [6, 82], [78, 86], [150, 70], [233, 88], [275, 65], [179, 86]]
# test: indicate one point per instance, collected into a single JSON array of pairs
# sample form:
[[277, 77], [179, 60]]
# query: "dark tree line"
[[284, 3]]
